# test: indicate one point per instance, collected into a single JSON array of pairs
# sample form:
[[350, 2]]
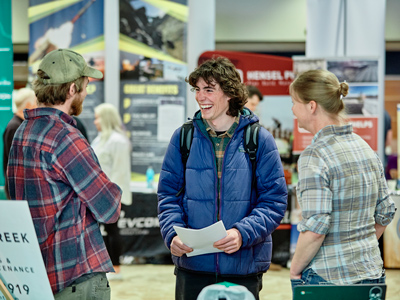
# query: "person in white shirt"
[[113, 150]]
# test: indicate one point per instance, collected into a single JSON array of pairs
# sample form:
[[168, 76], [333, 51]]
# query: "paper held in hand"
[[202, 240]]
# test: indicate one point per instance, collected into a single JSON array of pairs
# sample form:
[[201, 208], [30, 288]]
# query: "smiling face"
[[212, 101]]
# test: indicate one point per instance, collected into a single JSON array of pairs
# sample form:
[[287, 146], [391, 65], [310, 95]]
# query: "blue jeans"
[[309, 277]]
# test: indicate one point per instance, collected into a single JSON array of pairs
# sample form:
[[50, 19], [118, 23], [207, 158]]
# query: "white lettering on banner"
[[145, 102], [144, 116], [264, 75], [362, 124], [5, 82], [288, 75], [142, 154], [140, 222], [5, 96], [134, 231], [240, 73], [141, 133], [268, 83]]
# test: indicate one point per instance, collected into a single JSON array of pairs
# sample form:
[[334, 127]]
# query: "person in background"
[[391, 166], [113, 150], [341, 190], [150, 177], [217, 185], [254, 98], [387, 137], [53, 168], [23, 99]]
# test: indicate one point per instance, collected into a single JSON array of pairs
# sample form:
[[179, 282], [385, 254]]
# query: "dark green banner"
[[6, 73]]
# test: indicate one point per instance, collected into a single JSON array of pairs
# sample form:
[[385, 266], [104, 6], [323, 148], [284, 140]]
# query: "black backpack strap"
[[185, 144], [251, 145]]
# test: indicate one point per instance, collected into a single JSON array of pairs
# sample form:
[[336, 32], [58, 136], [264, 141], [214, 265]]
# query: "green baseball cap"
[[63, 65]]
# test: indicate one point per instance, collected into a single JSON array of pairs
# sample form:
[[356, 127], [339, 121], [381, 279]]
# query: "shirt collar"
[[333, 130], [48, 111], [229, 132]]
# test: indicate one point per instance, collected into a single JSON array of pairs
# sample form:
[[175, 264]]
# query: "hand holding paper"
[[231, 243], [178, 248], [202, 240]]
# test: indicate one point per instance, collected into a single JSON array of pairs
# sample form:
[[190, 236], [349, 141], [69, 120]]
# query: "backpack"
[[250, 137]]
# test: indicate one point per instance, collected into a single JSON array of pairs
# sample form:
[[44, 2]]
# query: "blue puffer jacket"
[[197, 207]]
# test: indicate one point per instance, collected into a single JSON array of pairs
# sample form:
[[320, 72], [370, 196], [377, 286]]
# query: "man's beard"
[[76, 106]]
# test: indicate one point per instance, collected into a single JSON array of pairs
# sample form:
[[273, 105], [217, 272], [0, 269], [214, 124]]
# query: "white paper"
[[202, 240]]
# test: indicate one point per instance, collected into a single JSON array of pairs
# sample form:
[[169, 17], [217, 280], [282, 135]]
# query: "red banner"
[[365, 127], [271, 74], [301, 138]]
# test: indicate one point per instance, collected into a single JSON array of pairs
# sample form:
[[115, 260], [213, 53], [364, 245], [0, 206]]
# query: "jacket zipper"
[[216, 211], [218, 206], [220, 198], [220, 186]]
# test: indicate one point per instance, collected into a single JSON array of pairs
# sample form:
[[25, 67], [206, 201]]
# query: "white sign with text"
[[21, 264]]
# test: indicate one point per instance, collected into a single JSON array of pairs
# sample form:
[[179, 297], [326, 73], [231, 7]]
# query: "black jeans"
[[189, 284]]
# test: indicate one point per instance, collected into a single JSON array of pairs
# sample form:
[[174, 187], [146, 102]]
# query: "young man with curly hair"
[[217, 185]]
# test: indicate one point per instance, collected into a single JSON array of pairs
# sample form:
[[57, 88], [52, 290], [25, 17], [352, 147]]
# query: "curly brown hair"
[[53, 94], [222, 71]]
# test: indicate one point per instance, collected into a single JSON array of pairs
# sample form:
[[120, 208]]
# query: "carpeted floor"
[[155, 282]]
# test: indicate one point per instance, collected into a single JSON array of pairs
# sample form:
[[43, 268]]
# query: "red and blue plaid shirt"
[[53, 167]]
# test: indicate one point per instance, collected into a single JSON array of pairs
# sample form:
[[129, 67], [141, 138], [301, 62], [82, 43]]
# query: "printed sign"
[[271, 74], [21, 264], [365, 127], [361, 103]]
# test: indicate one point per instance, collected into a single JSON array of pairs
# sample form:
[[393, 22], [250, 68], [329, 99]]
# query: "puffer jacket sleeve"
[[170, 212], [271, 201]]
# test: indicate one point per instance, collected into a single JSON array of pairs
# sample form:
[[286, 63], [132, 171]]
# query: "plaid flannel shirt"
[[53, 167], [342, 192]]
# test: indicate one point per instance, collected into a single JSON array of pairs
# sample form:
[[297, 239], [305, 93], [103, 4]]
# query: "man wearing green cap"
[[52, 166]]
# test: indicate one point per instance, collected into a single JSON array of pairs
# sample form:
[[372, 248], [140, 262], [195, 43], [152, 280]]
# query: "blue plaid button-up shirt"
[[342, 192]]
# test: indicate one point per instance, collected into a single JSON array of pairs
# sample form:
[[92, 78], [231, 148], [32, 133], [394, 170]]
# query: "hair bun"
[[343, 89]]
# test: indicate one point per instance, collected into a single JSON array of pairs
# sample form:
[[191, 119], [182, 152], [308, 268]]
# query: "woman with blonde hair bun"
[[113, 151], [341, 190]]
